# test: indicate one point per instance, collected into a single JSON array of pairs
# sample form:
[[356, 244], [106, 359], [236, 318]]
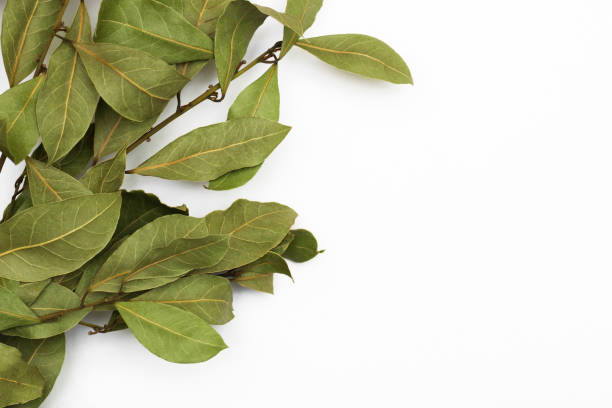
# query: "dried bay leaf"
[[19, 132], [27, 29], [67, 100], [53, 300], [212, 151], [171, 333], [259, 275], [254, 229], [76, 161], [282, 247], [13, 311], [261, 99], [48, 184], [46, 355], [360, 54], [29, 292], [208, 297], [113, 131], [153, 27], [19, 382], [235, 29], [134, 83], [57, 238], [306, 12], [106, 177], [159, 233], [9, 284], [285, 19], [303, 247]]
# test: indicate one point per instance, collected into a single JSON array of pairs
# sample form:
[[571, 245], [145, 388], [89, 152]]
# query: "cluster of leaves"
[[71, 241]]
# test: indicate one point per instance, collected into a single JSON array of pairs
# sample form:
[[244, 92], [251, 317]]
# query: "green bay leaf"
[[57, 238], [303, 247], [234, 32], [208, 297], [171, 333], [19, 382], [29, 292], [19, 132], [134, 83], [48, 184], [285, 19], [68, 99], [360, 54], [306, 12], [254, 229], [27, 29], [259, 275], [13, 311], [106, 177], [46, 355], [212, 151]]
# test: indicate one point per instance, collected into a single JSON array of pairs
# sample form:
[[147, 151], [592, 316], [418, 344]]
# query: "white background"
[[467, 222]]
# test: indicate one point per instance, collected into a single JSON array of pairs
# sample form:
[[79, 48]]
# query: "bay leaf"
[[261, 99], [206, 296], [19, 382], [23, 202], [13, 312], [282, 247], [153, 27], [212, 151], [29, 292], [306, 12], [9, 284], [259, 275], [68, 99], [54, 299], [19, 133], [113, 131], [48, 184], [171, 333], [164, 265], [27, 29], [57, 238], [139, 209], [285, 19], [106, 177], [76, 161], [46, 355], [159, 233], [254, 229], [134, 83], [235, 29], [303, 247], [204, 14], [360, 54]]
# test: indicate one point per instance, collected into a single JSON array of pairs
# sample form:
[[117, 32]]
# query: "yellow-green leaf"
[[48, 184], [134, 83], [13, 312], [259, 275], [19, 382], [306, 12], [360, 54], [106, 177]]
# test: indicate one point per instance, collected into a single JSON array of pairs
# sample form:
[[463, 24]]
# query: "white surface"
[[467, 222]]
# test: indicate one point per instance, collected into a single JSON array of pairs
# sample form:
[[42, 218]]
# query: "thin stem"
[[105, 301], [16, 193], [2, 161], [209, 94], [58, 26]]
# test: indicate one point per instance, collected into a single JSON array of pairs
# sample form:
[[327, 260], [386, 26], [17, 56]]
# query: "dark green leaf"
[[259, 275], [303, 248], [134, 83], [360, 54], [282, 247], [75, 162], [254, 229], [67, 100], [106, 177], [23, 202], [48, 184], [171, 333], [153, 27], [210, 152], [19, 133], [57, 238], [208, 297], [27, 29], [19, 382], [46, 355], [235, 29], [306, 12]]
